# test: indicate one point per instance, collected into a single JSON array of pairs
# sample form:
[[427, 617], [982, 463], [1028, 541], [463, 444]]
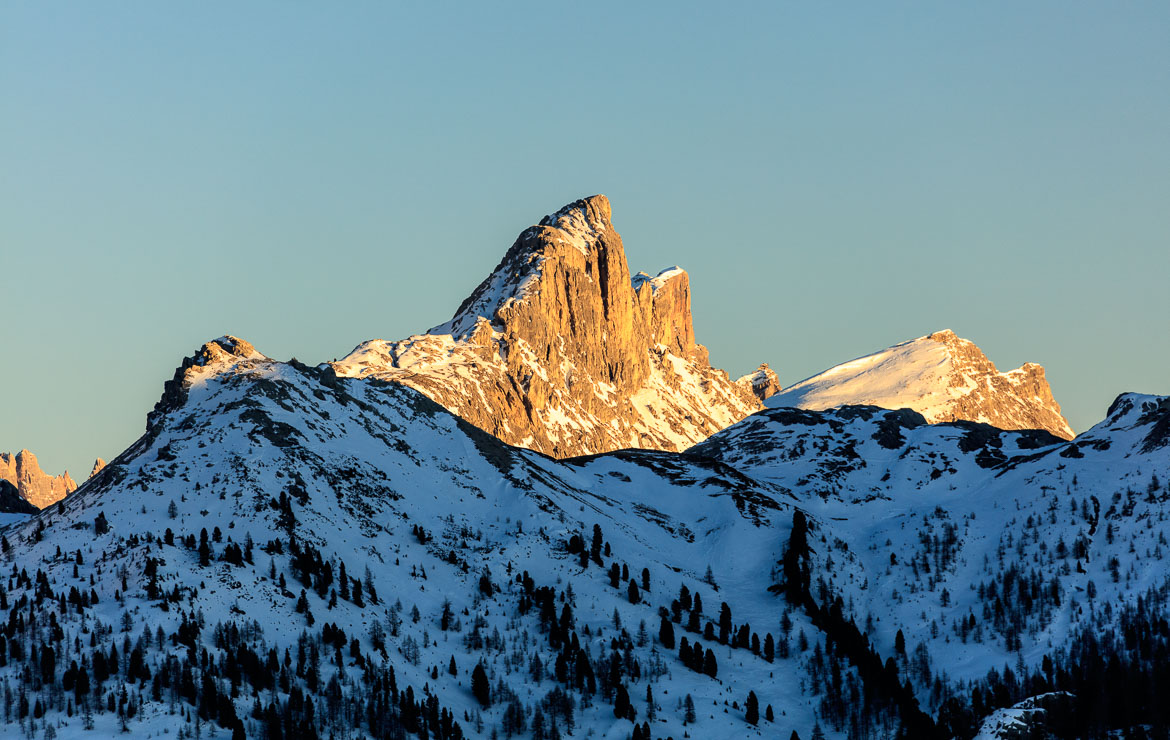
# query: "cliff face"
[[1017, 399], [33, 484], [561, 351], [943, 377], [763, 383]]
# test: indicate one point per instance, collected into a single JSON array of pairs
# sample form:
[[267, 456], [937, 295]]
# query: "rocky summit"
[[34, 485], [763, 383], [560, 350], [943, 377]]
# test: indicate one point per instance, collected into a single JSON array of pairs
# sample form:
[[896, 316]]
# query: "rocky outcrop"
[[98, 465], [561, 351], [1017, 399], [763, 383], [942, 376], [216, 355], [33, 484]]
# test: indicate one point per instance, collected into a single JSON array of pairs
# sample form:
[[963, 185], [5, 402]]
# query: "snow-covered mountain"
[[941, 376], [289, 552], [561, 351]]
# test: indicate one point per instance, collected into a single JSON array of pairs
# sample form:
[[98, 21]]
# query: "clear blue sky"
[[835, 177]]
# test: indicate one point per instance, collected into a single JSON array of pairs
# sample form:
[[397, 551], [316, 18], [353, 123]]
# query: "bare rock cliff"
[[561, 351], [33, 484], [1017, 399], [763, 383]]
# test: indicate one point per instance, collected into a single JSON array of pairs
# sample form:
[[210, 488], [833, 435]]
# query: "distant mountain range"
[[34, 485]]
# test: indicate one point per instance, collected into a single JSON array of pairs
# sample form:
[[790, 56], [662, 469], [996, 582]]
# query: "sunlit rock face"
[[560, 350], [33, 484], [943, 377], [763, 383]]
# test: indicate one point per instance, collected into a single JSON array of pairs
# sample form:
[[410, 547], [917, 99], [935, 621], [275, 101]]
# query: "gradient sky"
[[835, 179]]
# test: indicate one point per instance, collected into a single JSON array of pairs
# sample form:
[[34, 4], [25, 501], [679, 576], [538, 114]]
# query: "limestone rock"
[[943, 377], [561, 351], [763, 383], [219, 355], [34, 485], [98, 464]]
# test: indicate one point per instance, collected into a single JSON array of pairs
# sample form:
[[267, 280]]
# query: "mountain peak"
[[220, 355], [582, 221], [763, 383], [560, 350], [576, 236], [36, 486], [942, 376]]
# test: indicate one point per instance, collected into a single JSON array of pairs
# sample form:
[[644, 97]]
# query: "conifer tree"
[[480, 688], [632, 593], [666, 633]]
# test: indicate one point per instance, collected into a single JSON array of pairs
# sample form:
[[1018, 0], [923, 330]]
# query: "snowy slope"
[[417, 504], [941, 376], [962, 505], [363, 463]]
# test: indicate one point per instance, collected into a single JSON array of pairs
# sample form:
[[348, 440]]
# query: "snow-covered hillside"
[[289, 553], [941, 376]]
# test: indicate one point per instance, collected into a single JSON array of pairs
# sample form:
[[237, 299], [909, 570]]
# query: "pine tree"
[[795, 561], [204, 548], [666, 634], [752, 711], [724, 623], [480, 688], [710, 667], [632, 593], [622, 709], [689, 710]]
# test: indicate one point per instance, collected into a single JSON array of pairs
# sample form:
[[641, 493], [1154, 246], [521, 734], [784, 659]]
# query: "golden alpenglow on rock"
[[35, 486], [561, 351], [943, 377]]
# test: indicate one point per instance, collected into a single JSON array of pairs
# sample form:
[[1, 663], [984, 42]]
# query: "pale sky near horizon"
[[834, 179]]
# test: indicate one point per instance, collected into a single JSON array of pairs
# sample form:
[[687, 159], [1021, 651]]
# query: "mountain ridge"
[[422, 507], [941, 375]]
